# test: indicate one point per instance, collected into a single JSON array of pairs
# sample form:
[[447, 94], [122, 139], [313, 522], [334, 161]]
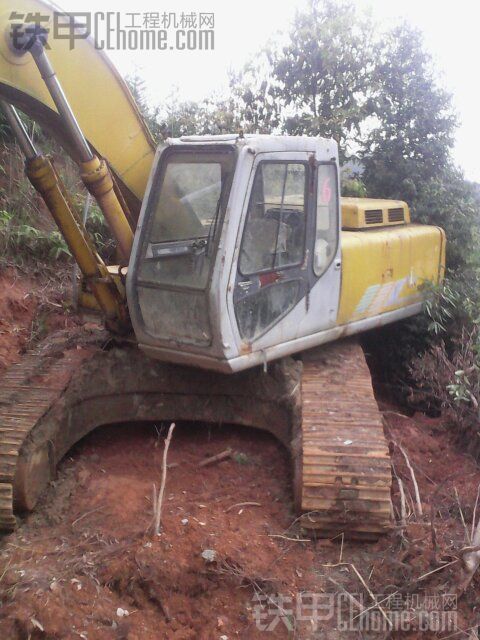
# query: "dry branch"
[[242, 504], [471, 559], [467, 534], [159, 502], [370, 593], [278, 535], [352, 599], [414, 480], [403, 509], [396, 413], [217, 458], [474, 518]]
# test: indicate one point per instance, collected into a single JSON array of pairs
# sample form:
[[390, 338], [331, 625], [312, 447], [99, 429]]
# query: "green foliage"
[[209, 117], [351, 184], [337, 75], [22, 242], [441, 306], [4, 128], [178, 118], [452, 203], [406, 155], [461, 388], [100, 233], [454, 304], [27, 232], [255, 103], [323, 73], [137, 87], [414, 123], [449, 369]]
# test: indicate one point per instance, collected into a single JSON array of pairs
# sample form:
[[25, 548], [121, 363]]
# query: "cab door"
[[289, 246]]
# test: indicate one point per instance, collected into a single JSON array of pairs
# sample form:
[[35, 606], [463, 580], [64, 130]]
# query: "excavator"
[[241, 283]]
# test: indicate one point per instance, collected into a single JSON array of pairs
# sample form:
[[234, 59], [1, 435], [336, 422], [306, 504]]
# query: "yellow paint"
[[98, 180], [109, 297], [384, 269], [355, 212], [97, 94]]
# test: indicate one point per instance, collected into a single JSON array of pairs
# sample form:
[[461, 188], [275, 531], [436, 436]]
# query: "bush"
[[448, 371], [22, 242], [351, 184], [452, 203], [101, 234]]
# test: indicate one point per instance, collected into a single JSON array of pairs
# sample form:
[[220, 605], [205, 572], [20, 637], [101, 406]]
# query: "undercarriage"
[[321, 408]]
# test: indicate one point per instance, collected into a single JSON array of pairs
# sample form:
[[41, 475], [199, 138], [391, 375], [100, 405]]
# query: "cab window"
[[274, 236]]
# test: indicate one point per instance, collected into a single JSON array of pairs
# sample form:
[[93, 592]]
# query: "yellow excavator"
[[242, 275]]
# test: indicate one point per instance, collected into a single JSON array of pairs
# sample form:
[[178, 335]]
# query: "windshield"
[[185, 210]]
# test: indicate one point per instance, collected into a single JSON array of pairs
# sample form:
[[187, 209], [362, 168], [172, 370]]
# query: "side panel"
[[383, 270]]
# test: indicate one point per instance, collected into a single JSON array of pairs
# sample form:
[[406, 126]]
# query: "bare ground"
[[87, 556]]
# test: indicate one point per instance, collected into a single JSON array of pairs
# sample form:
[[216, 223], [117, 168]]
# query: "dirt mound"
[[85, 554], [30, 309], [17, 308]]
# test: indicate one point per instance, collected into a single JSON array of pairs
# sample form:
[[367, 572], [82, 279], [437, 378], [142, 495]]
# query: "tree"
[[453, 203], [176, 118], [255, 98], [323, 73], [412, 133], [212, 116], [337, 76], [137, 87], [407, 152]]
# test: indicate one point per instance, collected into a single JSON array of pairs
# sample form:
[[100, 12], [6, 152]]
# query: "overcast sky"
[[241, 28]]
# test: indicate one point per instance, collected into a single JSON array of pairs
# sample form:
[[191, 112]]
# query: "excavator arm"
[[77, 94]]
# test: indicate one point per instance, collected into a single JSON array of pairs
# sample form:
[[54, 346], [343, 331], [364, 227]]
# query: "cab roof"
[[262, 143]]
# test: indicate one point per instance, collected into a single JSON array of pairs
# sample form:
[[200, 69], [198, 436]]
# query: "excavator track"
[[27, 392], [342, 463]]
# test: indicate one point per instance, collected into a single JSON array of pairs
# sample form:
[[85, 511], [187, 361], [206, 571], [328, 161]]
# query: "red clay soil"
[[17, 308], [88, 557], [30, 308], [448, 483], [85, 556]]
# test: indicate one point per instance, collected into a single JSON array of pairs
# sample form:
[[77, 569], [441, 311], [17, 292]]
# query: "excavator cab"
[[236, 258]]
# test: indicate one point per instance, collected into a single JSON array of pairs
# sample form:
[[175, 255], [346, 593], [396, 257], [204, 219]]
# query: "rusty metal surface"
[[343, 454]]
